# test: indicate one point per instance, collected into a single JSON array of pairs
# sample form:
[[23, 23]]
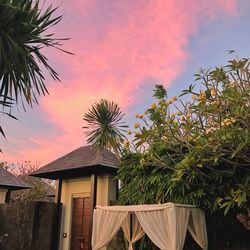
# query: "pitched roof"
[[10, 181], [81, 158]]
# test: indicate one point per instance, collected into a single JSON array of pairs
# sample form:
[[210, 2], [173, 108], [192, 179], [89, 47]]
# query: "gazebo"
[[85, 178], [165, 224]]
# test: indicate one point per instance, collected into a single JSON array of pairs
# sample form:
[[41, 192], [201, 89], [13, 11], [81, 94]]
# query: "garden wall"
[[29, 226]]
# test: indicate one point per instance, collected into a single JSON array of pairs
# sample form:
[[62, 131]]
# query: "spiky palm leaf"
[[105, 128], [23, 33], [7, 103]]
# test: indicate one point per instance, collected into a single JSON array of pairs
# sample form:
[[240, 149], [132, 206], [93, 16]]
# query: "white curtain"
[[182, 216], [105, 226], [167, 227], [197, 227], [137, 231]]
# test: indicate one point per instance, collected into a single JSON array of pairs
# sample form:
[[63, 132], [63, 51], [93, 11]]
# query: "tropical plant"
[[194, 152], [5, 104], [41, 189], [23, 26], [23, 34], [104, 126]]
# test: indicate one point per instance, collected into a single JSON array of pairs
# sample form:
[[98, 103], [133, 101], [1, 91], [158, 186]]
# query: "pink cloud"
[[117, 46], [229, 6]]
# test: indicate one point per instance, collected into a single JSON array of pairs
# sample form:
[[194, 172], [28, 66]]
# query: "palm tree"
[[23, 28], [23, 34], [105, 128]]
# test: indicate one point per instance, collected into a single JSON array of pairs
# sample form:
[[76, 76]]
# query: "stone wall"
[[28, 226]]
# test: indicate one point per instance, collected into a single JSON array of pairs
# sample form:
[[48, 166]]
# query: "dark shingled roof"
[[10, 181], [80, 159]]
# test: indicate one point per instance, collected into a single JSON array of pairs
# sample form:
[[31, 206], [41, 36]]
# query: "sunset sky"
[[122, 48]]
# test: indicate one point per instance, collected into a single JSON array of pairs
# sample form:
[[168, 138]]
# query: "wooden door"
[[80, 223]]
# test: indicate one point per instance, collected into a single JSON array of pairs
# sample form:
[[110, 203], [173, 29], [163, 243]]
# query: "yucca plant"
[[104, 126], [23, 34], [5, 104]]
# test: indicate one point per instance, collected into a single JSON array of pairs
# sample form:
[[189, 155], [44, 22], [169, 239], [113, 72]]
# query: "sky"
[[122, 48]]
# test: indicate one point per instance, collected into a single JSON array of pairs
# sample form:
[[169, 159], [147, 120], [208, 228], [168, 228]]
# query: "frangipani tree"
[[195, 152]]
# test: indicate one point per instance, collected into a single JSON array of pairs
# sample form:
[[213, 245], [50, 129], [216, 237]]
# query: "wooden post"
[[59, 191], [7, 197], [57, 222], [93, 194]]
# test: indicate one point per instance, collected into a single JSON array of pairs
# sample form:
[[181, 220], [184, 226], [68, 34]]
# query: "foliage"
[[105, 128], [194, 152], [23, 26], [23, 35], [39, 191], [20, 168], [40, 188]]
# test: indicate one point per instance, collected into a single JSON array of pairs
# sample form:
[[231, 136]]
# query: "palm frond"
[[23, 34], [104, 126]]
